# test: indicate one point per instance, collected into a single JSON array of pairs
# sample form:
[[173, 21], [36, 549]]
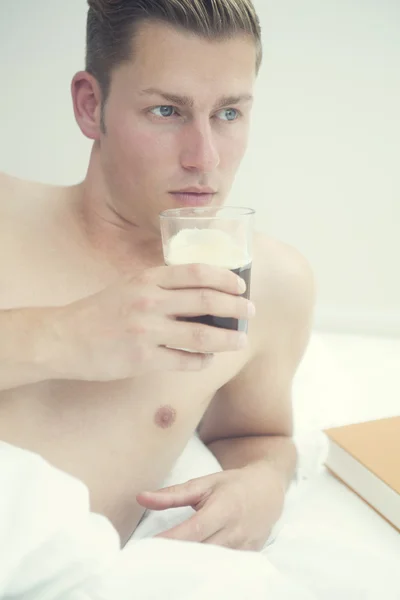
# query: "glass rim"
[[188, 212]]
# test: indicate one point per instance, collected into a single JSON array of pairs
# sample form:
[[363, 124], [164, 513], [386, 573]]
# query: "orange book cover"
[[366, 457]]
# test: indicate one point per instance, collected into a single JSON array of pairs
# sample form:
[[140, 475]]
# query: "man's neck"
[[114, 239]]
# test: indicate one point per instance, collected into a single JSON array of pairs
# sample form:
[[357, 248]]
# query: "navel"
[[165, 417]]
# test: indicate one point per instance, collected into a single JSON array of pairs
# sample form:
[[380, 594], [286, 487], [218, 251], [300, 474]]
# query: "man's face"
[[177, 118]]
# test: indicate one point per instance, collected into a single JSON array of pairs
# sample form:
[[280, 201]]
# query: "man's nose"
[[199, 151]]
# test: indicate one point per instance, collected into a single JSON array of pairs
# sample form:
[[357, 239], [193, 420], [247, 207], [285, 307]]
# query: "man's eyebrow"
[[187, 102], [229, 100]]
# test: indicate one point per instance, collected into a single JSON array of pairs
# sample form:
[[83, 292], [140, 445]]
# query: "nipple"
[[165, 417]]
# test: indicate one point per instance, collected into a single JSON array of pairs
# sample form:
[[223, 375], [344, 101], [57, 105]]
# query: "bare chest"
[[45, 278], [113, 436]]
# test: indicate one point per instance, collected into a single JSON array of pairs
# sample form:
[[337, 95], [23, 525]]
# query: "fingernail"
[[242, 340], [241, 285], [251, 309]]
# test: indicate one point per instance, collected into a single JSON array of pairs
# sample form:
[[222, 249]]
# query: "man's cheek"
[[233, 150]]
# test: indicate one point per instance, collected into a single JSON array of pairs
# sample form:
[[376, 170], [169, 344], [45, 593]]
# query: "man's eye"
[[163, 111], [229, 114]]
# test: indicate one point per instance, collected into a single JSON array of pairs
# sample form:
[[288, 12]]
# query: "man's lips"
[[190, 198]]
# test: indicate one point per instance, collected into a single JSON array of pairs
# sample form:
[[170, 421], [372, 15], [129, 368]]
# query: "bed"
[[331, 540]]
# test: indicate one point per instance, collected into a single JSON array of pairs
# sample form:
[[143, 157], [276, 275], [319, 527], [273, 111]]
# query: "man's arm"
[[27, 348], [25, 333], [249, 422], [113, 335]]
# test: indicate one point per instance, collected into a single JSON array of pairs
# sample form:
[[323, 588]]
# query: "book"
[[366, 457]]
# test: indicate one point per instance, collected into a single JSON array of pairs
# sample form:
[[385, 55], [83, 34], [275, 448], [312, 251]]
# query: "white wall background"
[[323, 164]]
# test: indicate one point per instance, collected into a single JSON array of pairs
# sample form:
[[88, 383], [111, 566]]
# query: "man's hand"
[[131, 328], [235, 508]]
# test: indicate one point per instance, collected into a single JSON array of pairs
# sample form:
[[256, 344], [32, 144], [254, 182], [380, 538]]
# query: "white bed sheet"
[[343, 379]]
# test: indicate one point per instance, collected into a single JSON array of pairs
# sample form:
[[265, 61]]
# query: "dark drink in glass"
[[217, 236], [227, 322]]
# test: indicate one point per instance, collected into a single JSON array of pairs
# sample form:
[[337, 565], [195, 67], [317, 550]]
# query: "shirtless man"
[[87, 306]]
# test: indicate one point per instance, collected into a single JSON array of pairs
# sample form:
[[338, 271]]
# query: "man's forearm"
[[277, 453], [25, 346]]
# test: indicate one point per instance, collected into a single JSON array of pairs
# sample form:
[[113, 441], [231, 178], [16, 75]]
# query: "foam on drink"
[[207, 246]]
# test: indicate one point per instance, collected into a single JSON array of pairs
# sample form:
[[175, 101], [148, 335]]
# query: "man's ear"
[[86, 97]]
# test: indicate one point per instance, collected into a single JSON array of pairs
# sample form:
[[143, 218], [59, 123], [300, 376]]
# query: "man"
[[88, 377]]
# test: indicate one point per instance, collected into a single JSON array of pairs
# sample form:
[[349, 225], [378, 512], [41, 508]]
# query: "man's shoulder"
[[25, 209], [15, 194], [281, 261], [7, 191], [22, 200], [10, 205], [283, 279]]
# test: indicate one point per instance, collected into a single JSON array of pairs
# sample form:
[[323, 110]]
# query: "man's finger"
[[194, 303], [157, 501], [199, 276], [180, 360], [220, 538], [186, 494], [196, 529]]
